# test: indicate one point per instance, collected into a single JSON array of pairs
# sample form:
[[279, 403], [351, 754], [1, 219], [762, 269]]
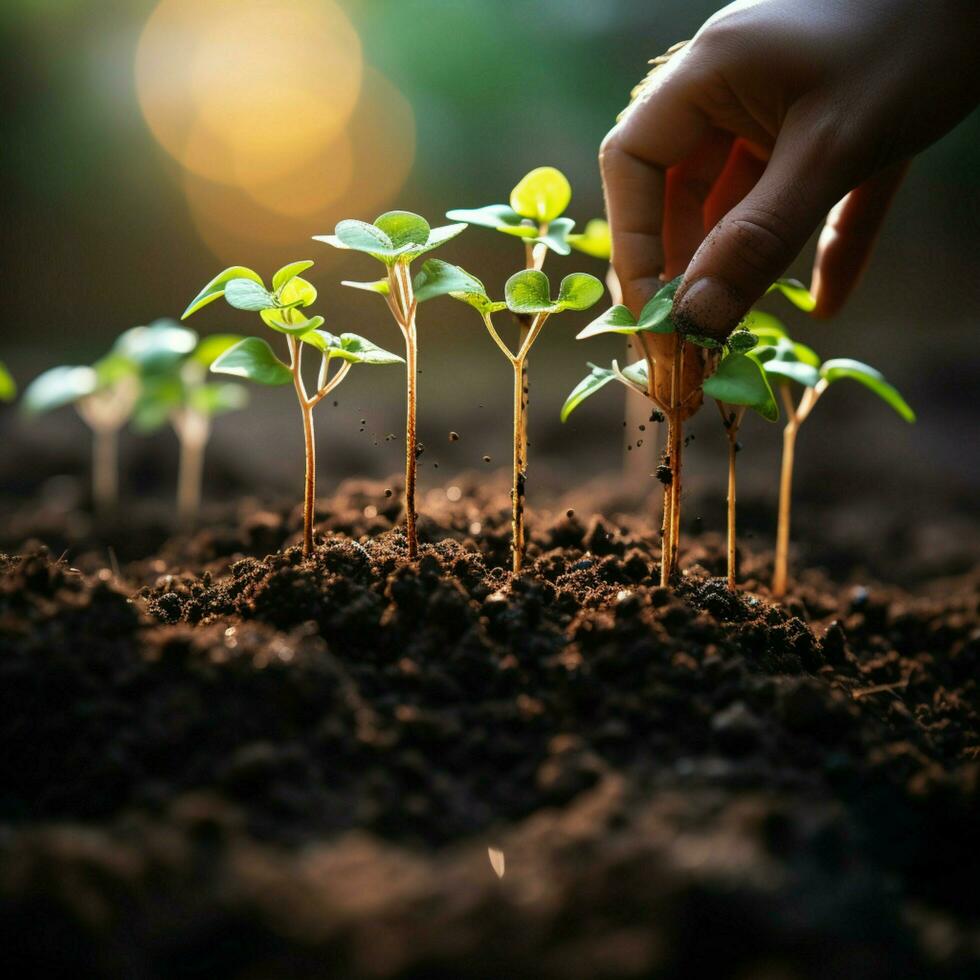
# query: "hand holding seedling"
[[396, 239], [527, 294], [281, 309], [738, 145]]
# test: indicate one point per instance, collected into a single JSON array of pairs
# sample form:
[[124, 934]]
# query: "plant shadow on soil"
[[227, 760]]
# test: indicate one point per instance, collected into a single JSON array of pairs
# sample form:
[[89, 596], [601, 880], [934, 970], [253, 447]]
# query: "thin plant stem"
[[519, 473], [732, 420], [105, 469], [193, 429], [672, 495], [404, 305], [796, 414], [306, 410]]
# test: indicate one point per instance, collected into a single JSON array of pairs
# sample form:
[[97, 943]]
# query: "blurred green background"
[[118, 209]]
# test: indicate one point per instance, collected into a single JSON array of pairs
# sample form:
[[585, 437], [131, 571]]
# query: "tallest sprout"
[[535, 216], [395, 239]]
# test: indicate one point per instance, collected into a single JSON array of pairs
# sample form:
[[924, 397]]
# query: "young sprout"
[[527, 293], [596, 240], [104, 395], [535, 216], [737, 384], [659, 377], [786, 363], [173, 366], [396, 239], [8, 387], [281, 309]]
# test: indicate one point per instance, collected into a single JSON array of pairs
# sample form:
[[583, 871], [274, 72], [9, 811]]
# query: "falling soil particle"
[[454, 437]]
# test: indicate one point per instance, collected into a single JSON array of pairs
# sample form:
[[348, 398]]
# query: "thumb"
[[753, 244]]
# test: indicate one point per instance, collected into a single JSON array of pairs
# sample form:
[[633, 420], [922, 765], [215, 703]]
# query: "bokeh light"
[[278, 126]]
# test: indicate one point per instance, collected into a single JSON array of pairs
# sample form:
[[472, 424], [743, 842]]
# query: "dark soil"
[[221, 764]]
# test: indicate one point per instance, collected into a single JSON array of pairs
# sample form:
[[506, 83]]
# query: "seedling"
[[281, 309], [173, 366], [535, 215], [104, 395], [671, 360], [596, 240], [396, 239], [8, 387], [738, 383], [527, 293], [788, 363]]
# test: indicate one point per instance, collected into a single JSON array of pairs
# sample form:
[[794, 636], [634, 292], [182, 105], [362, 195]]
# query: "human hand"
[[776, 113]]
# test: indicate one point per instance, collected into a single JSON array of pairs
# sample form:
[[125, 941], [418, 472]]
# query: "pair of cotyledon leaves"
[[155, 354], [757, 352]]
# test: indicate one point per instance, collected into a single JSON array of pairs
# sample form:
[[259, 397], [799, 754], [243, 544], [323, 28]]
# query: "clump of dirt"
[[246, 764]]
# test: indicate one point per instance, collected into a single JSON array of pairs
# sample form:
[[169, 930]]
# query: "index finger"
[[658, 130]]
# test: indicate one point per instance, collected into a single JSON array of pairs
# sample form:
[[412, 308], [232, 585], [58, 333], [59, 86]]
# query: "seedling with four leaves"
[[396, 239], [528, 294], [536, 216], [281, 308], [788, 363]]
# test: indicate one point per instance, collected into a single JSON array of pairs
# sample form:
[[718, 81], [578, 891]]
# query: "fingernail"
[[709, 307]]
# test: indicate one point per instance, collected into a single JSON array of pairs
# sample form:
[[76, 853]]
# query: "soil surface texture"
[[226, 760]]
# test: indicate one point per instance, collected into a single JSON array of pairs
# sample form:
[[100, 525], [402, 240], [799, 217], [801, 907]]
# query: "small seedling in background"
[[528, 294], [738, 383], [786, 363], [8, 387], [104, 395], [535, 215], [595, 240], [173, 365], [396, 239], [281, 309]]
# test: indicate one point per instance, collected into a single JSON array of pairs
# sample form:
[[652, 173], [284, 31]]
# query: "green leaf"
[[597, 378], [764, 325], [216, 287], [403, 228], [616, 319], [216, 399], [297, 292], [58, 386], [359, 350], [159, 396], [290, 321], [579, 291], [288, 272], [595, 240], [438, 278], [541, 195], [244, 294], [378, 286], [8, 387], [636, 373], [796, 293], [112, 369], [740, 380], [529, 292], [160, 346], [210, 347], [253, 358], [556, 235], [439, 236], [804, 374], [361, 237], [479, 300], [655, 317], [322, 340], [497, 216], [844, 367]]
